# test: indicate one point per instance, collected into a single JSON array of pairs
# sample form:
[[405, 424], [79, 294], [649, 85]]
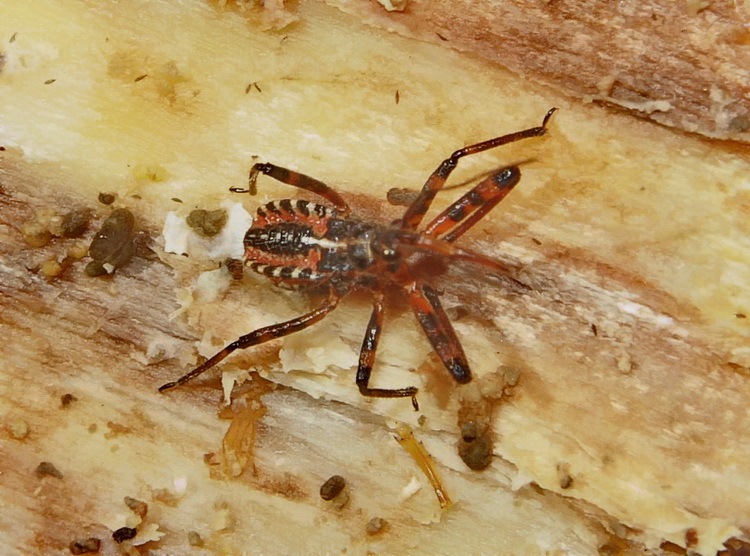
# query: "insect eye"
[[388, 253]]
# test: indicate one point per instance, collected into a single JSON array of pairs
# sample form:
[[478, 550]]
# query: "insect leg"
[[260, 336], [439, 330], [367, 359], [416, 211], [295, 179], [450, 224]]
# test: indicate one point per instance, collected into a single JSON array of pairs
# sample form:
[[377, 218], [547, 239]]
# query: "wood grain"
[[661, 59], [87, 338], [612, 371]]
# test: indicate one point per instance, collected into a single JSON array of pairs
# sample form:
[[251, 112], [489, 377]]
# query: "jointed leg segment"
[[260, 336], [367, 359], [459, 217], [439, 330], [416, 211], [449, 250], [295, 179]]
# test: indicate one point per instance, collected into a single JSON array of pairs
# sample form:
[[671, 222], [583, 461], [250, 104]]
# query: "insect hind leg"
[[260, 336]]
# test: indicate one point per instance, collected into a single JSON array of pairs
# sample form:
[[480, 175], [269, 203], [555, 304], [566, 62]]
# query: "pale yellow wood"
[[631, 353], [681, 63]]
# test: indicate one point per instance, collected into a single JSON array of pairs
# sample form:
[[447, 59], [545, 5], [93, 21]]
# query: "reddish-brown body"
[[280, 243], [297, 243]]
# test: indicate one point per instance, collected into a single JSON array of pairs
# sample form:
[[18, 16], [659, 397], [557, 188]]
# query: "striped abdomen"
[[280, 244], [298, 242]]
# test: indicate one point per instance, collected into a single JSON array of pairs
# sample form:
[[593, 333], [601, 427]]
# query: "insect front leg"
[[367, 359], [261, 336], [439, 330], [416, 211], [470, 208], [295, 179]]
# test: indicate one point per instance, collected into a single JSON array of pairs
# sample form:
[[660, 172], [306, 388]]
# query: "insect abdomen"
[[297, 242], [289, 274], [284, 240], [282, 243]]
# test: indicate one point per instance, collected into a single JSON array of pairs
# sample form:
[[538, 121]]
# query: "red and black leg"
[[416, 211], [470, 208], [367, 359], [260, 336], [439, 330], [295, 179]]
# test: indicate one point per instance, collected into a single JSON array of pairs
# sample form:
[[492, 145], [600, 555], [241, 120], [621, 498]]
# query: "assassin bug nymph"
[[298, 243]]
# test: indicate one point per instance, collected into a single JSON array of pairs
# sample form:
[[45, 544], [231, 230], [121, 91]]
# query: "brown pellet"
[[332, 487], [85, 546], [106, 198], [75, 223], [207, 223], [46, 469], [375, 525], [124, 534]]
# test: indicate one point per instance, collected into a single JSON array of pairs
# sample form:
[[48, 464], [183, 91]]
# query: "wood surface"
[[682, 64], [611, 367]]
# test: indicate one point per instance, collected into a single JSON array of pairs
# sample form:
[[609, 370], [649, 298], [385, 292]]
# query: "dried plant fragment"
[[419, 454]]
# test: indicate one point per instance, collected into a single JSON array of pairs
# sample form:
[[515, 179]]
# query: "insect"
[[296, 243]]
